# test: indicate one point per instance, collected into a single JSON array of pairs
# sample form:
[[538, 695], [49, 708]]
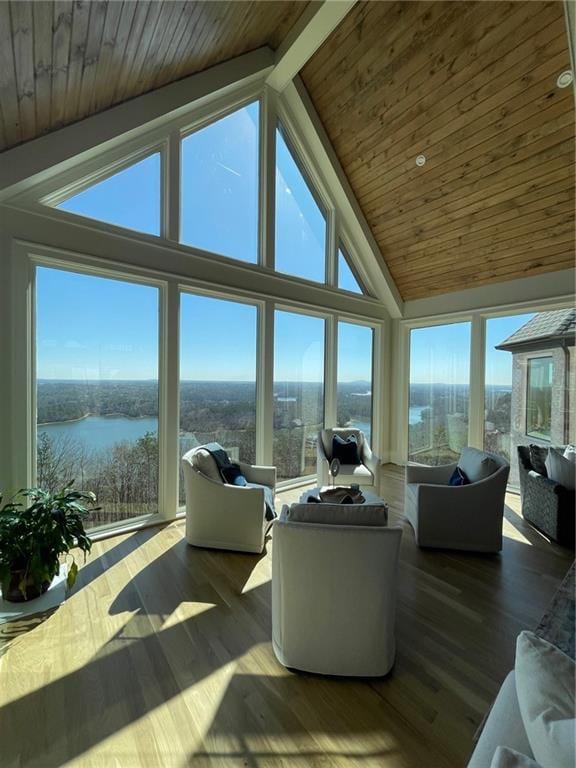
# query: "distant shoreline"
[[96, 415]]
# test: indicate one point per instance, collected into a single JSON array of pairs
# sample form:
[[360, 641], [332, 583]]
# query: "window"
[[298, 392], [347, 281], [218, 376], [129, 198], [219, 201], [354, 385], [300, 220], [439, 393], [97, 390], [500, 436], [539, 397]]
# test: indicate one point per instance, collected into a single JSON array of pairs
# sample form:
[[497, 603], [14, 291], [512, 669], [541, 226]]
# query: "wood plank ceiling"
[[62, 61], [472, 86]]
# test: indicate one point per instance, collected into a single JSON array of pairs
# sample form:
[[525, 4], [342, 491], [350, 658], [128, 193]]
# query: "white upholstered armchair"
[[366, 473], [334, 583], [222, 516], [467, 517]]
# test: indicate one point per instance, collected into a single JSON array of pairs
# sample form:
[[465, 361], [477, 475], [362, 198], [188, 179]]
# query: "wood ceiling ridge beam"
[[452, 238], [460, 183], [467, 123], [531, 233], [307, 35], [433, 174], [536, 200], [441, 63], [456, 202], [555, 114]]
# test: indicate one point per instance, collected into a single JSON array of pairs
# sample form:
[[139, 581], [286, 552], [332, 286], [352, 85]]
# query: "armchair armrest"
[[430, 475], [259, 474]]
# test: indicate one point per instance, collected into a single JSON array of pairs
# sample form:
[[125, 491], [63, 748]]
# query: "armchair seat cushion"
[[358, 471]]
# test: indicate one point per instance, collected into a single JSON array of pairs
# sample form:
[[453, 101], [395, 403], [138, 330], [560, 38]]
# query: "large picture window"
[[298, 392], [354, 384], [218, 375], [439, 393], [539, 397], [300, 220], [97, 390], [219, 202]]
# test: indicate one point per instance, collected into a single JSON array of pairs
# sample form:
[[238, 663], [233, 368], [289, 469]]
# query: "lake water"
[[98, 432]]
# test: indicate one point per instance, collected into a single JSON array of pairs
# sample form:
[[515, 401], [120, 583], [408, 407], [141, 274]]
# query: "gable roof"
[[556, 328]]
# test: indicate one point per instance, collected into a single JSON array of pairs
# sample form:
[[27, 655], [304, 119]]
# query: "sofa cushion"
[[560, 469], [509, 758], [545, 685], [204, 462], [503, 727], [538, 456], [346, 449], [476, 465], [339, 514]]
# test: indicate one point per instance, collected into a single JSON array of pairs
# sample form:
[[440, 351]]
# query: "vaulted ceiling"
[[471, 85], [62, 60]]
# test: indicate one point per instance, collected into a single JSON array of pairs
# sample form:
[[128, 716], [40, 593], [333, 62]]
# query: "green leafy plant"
[[34, 535]]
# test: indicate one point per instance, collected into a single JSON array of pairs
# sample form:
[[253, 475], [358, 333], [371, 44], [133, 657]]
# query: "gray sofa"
[[547, 505]]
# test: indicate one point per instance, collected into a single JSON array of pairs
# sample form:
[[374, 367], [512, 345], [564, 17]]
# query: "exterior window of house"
[[129, 198], [298, 392], [219, 201], [97, 391], [539, 397], [439, 393]]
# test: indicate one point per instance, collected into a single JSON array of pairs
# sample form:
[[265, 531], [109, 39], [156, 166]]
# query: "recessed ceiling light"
[[565, 79], [420, 160]]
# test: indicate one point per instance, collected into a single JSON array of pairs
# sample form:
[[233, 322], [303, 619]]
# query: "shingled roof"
[[548, 329]]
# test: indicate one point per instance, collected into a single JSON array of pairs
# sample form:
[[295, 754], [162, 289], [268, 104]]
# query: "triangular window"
[[347, 280], [129, 198], [219, 203], [300, 220]]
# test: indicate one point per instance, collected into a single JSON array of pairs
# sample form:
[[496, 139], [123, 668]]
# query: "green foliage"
[[34, 535]]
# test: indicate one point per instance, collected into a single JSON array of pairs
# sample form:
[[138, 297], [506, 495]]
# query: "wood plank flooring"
[[161, 656]]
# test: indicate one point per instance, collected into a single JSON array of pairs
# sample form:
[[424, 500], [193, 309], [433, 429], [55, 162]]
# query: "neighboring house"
[[543, 381]]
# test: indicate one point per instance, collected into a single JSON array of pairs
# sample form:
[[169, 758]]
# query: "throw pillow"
[[538, 456], [545, 687], [458, 477], [232, 475], [346, 450], [560, 469], [504, 757], [476, 465], [570, 453]]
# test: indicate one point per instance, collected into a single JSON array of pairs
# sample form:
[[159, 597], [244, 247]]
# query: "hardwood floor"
[[161, 656]]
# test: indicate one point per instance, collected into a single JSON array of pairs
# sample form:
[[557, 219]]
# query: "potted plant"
[[34, 535]]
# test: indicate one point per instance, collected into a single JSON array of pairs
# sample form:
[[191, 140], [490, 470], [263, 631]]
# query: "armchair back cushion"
[[339, 514], [476, 465]]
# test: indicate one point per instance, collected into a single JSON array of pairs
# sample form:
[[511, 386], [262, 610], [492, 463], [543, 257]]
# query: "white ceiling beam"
[[317, 22], [32, 162]]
